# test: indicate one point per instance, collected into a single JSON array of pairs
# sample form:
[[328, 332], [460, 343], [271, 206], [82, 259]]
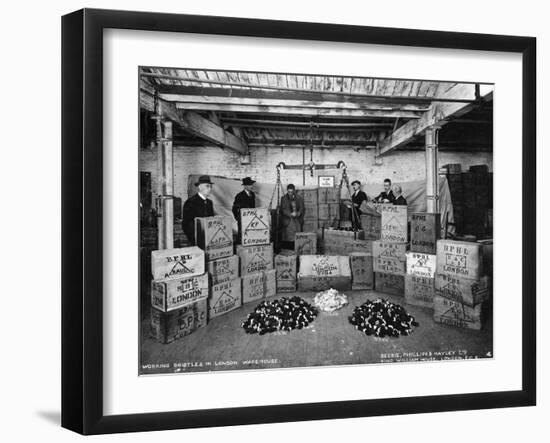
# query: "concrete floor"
[[329, 340]]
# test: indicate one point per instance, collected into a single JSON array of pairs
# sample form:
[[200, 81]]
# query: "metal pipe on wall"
[[432, 167]]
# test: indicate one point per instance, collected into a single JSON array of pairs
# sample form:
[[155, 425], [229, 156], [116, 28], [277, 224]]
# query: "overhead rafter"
[[258, 86], [189, 101], [301, 95], [196, 125], [299, 111], [438, 114]]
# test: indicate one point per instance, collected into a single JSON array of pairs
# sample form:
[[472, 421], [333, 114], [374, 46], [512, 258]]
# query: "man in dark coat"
[[387, 195], [292, 216], [357, 198], [199, 205], [399, 199], [244, 199]]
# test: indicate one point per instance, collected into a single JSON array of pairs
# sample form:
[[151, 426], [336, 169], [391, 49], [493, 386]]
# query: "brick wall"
[[401, 166]]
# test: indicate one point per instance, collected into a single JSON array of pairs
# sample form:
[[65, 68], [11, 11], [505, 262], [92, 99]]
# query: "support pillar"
[[432, 167], [165, 184]]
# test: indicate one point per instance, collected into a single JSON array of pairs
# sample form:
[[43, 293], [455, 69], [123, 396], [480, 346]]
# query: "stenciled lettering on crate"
[[389, 257], [305, 243], [389, 283], [463, 290], [173, 325], [286, 269], [224, 297], [256, 225], [453, 313], [419, 291], [393, 223], [362, 276], [420, 264], [463, 259], [425, 231], [167, 295], [258, 285], [255, 258], [215, 236], [177, 263], [223, 269]]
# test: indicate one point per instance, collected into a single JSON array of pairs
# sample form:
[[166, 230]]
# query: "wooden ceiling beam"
[[439, 114], [298, 111], [234, 86], [304, 95], [195, 124]]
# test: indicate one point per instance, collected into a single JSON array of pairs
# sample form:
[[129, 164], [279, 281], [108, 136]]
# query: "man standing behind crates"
[[244, 199], [199, 205], [292, 216], [357, 198]]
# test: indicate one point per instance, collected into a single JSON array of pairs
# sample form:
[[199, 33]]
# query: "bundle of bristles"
[[285, 314], [382, 318]]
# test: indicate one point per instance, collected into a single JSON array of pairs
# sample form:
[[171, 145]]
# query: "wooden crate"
[[487, 253], [334, 211], [393, 223], [362, 276], [421, 265], [419, 291], [305, 243], [169, 326], [310, 224], [167, 295], [311, 211], [224, 297], [255, 258], [329, 195], [425, 231], [462, 259], [177, 263], [286, 267], [371, 224], [309, 283], [340, 234], [389, 283], [324, 211], [463, 290], [309, 195], [324, 266], [453, 168], [256, 226], [453, 313], [259, 285], [223, 269], [389, 257], [215, 236]]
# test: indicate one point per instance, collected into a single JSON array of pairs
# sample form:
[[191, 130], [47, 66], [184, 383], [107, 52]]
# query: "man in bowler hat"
[[244, 199], [199, 205]]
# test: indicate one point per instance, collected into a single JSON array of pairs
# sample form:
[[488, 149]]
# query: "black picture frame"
[[82, 215]]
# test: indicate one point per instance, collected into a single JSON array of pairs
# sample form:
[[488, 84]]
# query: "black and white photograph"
[[295, 220]]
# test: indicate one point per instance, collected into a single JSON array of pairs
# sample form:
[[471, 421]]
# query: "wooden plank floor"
[[329, 340]]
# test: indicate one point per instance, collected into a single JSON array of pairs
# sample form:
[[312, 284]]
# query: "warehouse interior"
[[433, 138]]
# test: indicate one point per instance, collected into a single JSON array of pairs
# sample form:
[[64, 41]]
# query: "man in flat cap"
[[199, 205], [244, 199], [357, 198]]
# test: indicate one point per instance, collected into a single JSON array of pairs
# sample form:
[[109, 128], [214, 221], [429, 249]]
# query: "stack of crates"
[[421, 260], [255, 253], [179, 293], [328, 206], [389, 253], [461, 286], [215, 236]]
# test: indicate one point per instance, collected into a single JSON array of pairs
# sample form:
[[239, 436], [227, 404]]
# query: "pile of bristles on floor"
[[382, 318]]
